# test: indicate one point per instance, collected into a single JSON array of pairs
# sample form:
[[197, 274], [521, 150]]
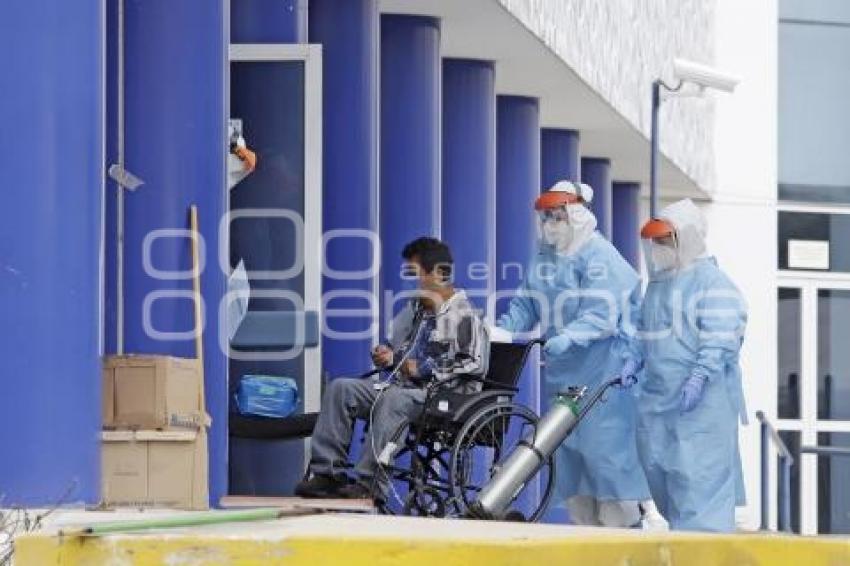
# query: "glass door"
[[813, 397], [273, 226]]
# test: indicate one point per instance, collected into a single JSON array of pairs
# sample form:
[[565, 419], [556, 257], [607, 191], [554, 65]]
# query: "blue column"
[[110, 268], [559, 156], [175, 141], [469, 173], [596, 172], [517, 186], [626, 223], [348, 31], [268, 21], [51, 172], [410, 136]]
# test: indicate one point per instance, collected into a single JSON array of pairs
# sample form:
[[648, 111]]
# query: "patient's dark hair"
[[430, 253]]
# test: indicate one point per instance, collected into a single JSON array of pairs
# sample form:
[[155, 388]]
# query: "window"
[[829, 233], [790, 368], [833, 354], [814, 118], [834, 486]]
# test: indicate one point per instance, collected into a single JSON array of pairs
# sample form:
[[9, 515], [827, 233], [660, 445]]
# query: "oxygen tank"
[[525, 461]]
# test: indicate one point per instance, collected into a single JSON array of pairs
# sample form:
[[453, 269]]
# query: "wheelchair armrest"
[[483, 380]]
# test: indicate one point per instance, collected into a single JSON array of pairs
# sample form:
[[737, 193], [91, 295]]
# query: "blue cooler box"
[[267, 396]]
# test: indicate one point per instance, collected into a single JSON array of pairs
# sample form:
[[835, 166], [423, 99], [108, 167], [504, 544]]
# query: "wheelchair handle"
[[597, 395]]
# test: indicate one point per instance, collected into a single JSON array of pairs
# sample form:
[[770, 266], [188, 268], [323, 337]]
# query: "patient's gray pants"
[[348, 399]]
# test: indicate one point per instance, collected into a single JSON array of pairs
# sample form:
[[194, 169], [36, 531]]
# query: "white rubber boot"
[[652, 520]]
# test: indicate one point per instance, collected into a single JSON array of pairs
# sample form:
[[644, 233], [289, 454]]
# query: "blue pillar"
[[559, 156], [175, 141], [348, 31], [596, 172], [51, 172], [469, 173], [410, 137], [517, 186], [268, 21], [626, 222], [110, 268]]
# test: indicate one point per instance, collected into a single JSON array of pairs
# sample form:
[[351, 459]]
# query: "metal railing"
[[825, 450], [768, 432]]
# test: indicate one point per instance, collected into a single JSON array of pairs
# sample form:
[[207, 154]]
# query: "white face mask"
[[557, 233], [663, 257]]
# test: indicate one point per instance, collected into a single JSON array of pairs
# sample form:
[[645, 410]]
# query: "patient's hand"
[[382, 356]]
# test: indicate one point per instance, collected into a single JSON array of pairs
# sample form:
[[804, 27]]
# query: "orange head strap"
[[555, 199], [656, 228]]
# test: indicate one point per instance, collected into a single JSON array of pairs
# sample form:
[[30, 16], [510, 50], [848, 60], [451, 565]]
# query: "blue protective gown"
[[599, 459], [691, 460]]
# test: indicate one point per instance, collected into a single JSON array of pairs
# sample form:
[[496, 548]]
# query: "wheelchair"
[[455, 446], [458, 442]]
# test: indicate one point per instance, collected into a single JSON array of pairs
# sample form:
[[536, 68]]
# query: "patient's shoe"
[[320, 486], [357, 490]]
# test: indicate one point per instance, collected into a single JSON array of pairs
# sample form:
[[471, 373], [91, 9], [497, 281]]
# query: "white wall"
[[742, 214], [620, 46]]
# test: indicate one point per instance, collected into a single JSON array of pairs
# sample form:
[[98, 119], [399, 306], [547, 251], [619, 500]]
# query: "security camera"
[[703, 75]]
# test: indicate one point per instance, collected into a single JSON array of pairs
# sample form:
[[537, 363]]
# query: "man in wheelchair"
[[435, 338]]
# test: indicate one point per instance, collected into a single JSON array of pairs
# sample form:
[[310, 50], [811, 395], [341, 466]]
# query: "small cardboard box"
[[152, 392], [149, 468]]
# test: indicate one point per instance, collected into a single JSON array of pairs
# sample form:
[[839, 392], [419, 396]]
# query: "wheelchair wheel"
[[486, 439], [420, 481], [425, 501]]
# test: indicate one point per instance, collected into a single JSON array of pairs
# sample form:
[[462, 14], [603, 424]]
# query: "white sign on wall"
[[808, 254]]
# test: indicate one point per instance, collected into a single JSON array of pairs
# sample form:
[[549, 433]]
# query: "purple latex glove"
[[627, 374], [692, 392]]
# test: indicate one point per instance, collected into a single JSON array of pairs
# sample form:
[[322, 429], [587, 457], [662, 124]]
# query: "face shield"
[[660, 247], [563, 221], [676, 239], [554, 228], [661, 255]]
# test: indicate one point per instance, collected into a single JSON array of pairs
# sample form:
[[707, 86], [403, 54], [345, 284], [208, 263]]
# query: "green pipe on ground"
[[188, 520]]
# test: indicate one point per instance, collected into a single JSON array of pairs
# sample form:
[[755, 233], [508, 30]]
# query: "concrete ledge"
[[373, 540]]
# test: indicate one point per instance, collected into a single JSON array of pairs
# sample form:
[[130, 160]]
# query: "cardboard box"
[[148, 468], [108, 397], [152, 392]]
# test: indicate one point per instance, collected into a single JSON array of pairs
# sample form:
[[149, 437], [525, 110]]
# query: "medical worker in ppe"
[[691, 328], [575, 288]]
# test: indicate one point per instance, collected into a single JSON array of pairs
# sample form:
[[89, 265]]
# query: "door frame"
[[311, 56], [808, 425]]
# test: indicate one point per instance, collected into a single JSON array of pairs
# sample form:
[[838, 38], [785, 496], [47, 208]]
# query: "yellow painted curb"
[[649, 550]]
